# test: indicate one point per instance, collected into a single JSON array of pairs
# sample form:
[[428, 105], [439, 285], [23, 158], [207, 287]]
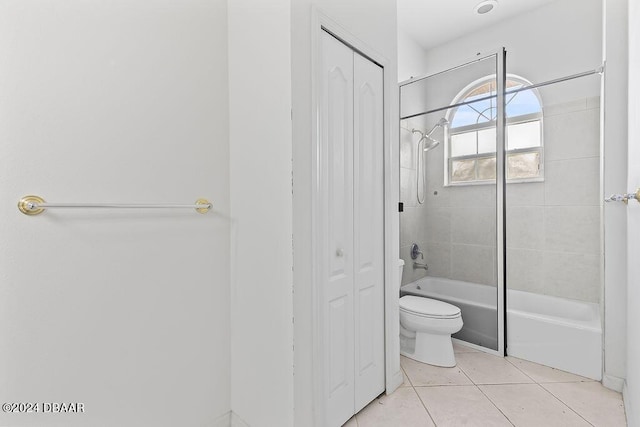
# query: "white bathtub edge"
[[591, 325]]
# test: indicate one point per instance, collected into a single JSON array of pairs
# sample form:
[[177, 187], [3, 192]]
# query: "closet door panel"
[[336, 228], [368, 231]]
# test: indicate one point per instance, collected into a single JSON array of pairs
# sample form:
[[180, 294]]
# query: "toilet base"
[[433, 349]]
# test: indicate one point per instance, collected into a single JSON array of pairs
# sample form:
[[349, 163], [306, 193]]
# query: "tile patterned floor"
[[485, 391]]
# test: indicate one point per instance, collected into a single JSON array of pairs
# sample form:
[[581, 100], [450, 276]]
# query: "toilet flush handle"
[[339, 252]]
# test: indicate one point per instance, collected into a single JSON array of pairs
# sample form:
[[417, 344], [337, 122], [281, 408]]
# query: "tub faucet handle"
[[415, 251]]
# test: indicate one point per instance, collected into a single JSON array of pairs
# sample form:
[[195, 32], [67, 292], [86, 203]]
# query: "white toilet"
[[426, 326]]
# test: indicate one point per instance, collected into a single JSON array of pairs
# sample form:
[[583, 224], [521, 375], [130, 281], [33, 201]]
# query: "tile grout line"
[[418, 394], [523, 372], [565, 404], [465, 374], [495, 406], [407, 376], [586, 380], [424, 406], [491, 401], [547, 391]]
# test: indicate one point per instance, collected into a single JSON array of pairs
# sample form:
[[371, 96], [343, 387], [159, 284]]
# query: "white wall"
[[127, 312], [261, 210], [374, 23], [559, 39], [615, 181], [632, 392], [411, 57]]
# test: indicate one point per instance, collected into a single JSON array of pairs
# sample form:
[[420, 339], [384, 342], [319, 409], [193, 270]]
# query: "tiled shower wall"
[[553, 227]]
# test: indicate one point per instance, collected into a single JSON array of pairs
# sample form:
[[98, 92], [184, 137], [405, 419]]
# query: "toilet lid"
[[428, 307]]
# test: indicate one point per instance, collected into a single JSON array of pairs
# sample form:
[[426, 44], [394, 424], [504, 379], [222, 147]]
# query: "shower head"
[[430, 143], [441, 124]]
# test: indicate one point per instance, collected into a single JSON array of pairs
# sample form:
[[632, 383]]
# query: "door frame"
[[320, 22]]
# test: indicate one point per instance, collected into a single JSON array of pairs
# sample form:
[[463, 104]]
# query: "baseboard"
[[628, 408], [396, 381], [612, 382]]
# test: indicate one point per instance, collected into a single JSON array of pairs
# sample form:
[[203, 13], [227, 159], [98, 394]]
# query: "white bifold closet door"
[[351, 270]]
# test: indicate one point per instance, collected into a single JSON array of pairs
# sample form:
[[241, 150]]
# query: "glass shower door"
[[452, 190]]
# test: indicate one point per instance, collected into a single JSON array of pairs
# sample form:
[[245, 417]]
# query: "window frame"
[[524, 118]]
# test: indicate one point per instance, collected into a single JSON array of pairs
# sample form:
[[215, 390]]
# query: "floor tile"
[[530, 405], [459, 348], [595, 403], [545, 374], [401, 408], [461, 406], [351, 423], [405, 379], [483, 368], [422, 374]]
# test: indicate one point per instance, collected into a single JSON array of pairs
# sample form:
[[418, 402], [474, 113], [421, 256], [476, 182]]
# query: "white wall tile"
[[565, 107], [572, 229], [572, 182], [408, 188], [525, 270], [475, 264], [572, 136], [437, 195], [525, 227], [473, 195], [438, 257], [435, 178], [423, 219], [574, 276], [525, 194], [473, 225], [438, 224], [409, 225]]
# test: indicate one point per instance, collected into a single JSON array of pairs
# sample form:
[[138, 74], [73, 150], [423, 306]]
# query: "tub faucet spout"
[[418, 265]]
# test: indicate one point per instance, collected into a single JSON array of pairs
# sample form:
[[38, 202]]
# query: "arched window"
[[471, 134]]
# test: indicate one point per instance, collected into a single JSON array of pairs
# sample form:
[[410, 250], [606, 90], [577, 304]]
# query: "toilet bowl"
[[426, 326]]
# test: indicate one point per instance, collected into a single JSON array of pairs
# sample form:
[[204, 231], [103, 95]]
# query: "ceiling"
[[434, 22]]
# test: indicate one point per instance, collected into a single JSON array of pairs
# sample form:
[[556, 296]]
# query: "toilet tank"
[[400, 269]]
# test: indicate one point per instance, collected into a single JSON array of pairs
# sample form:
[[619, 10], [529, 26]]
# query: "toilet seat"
[[428, 308]]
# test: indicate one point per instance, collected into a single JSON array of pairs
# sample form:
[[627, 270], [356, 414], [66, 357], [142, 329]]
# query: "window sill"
[[510, 181]]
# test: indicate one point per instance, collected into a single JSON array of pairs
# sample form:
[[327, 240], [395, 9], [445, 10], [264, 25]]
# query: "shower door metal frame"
[[501, 242], [501, 273]]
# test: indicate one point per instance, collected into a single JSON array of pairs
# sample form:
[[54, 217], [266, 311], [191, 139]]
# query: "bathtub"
[[557, 332]]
